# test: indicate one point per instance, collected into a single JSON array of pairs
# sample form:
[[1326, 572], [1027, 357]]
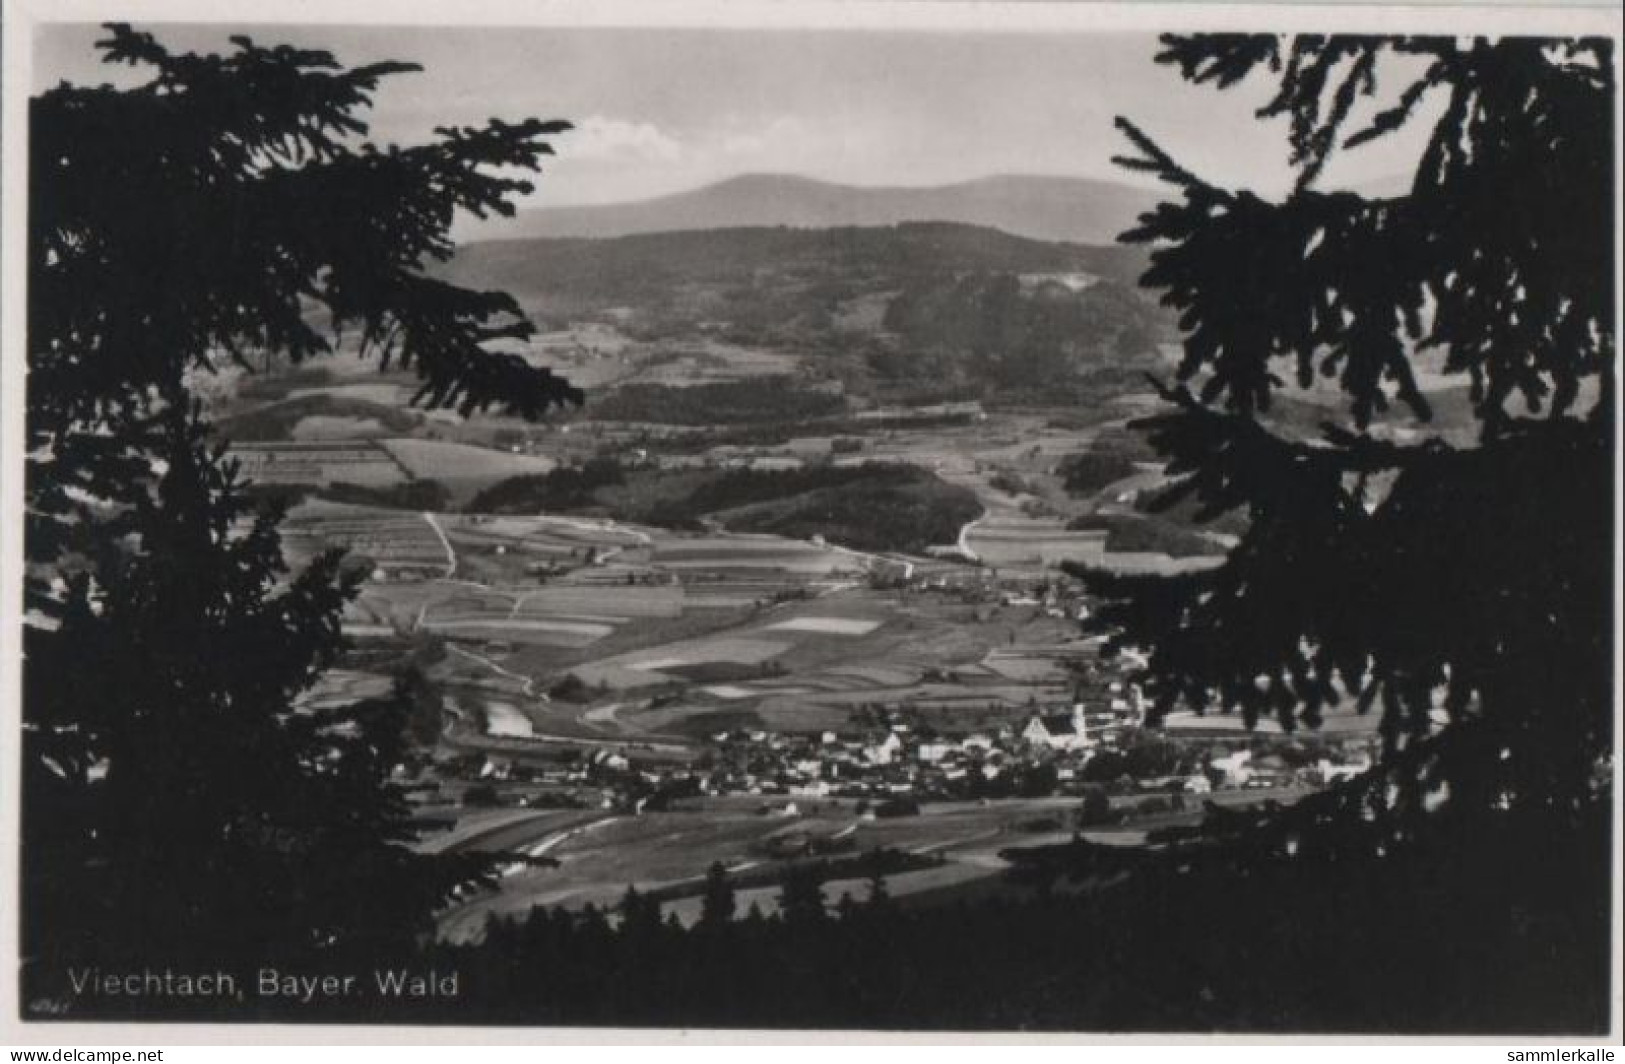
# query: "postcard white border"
[[1593, 17]]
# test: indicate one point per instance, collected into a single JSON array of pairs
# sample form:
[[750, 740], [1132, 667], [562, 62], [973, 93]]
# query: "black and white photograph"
[[890, 517]]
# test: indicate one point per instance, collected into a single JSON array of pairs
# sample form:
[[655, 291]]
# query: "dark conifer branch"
[[168, 640], [260, 144], [1442, 598]]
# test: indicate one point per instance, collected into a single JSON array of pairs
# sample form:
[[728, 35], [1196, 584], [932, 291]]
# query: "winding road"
[[451, 555]]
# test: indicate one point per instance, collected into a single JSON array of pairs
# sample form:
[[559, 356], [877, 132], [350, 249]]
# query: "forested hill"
[[632, 266]]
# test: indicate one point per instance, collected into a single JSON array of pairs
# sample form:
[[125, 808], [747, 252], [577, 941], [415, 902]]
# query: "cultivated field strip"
[[360, 462]]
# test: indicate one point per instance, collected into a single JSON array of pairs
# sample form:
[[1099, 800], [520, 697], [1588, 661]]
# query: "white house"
[[1058, 731], [1333, 772], [1236, 768], [885, 751]]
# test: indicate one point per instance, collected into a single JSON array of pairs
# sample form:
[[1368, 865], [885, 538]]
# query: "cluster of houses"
[[904, 759], [890, 753], [1050, 753], [1240, 768]]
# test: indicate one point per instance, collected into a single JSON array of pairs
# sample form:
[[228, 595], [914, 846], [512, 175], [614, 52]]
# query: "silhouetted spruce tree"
[[640, 916], [801, 896], [717, 904], [879, 896], [1462, 585], [226, 210]]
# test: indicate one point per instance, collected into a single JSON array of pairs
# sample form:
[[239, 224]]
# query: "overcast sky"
[[661, 111]]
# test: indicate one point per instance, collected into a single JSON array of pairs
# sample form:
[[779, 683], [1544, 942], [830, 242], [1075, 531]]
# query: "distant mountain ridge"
[[1072, 209]]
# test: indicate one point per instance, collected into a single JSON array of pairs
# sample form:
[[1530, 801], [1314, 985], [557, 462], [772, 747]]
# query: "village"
[[941, 808], [890, 759]]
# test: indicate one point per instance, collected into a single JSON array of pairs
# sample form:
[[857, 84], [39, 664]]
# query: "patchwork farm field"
[[320, 463], [820, 675], [826, 625], [526, 603], [747, 555], [1022, 542], [393, 540], [696, 362], [325, 451], [651, 635], [584, 630]]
